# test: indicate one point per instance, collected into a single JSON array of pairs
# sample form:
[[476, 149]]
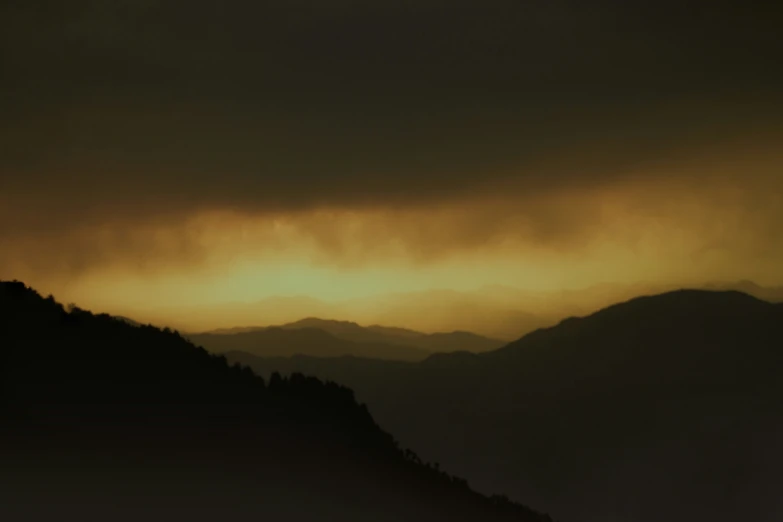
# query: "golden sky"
[[212, 156]]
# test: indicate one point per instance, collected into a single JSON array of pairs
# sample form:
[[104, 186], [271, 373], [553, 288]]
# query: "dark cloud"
[[156, 110]]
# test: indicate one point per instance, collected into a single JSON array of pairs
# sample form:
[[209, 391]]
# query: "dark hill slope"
[[102, 420], [668, 343], [665, 407]]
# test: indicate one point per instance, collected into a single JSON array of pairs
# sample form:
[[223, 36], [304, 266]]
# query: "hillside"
[[664, 407], [102, 420]]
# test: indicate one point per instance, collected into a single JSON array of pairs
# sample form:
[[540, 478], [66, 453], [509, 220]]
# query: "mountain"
[[354, 332], [662, 407], [426, 311], [128, 320], [507, 312], [372, 340], [445, 310], [773, 294], [492, 311], [101, 420], [285, 341]]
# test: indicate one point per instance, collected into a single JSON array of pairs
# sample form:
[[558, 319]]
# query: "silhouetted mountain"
[[773, 294], [429, 311], [394, 331], [100, 420], [665, 407], [493, 311], [128, 320], [354, 332], [329, 338], [460, 341], [286, 341], [434, 342], [442, 310]]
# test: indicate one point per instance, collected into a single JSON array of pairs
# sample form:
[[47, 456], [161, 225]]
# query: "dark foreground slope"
[[667, 407], [101, 421]]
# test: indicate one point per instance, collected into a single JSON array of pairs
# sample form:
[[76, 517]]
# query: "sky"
[[156, 154]]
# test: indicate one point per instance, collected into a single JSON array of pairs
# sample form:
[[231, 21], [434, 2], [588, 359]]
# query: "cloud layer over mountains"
[[151, 137]]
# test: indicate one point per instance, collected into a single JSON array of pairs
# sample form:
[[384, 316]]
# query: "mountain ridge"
[[502, 312], [361, 341], [110, 416], [278, 341], [624, 403]]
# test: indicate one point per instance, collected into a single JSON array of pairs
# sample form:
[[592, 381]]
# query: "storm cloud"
[[439, 126]]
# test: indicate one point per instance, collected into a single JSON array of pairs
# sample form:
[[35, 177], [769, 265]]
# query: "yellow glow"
[[188, 271]]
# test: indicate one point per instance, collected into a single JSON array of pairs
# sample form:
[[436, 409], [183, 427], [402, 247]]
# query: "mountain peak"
[[698, 299], [318, 322], [678, 312]]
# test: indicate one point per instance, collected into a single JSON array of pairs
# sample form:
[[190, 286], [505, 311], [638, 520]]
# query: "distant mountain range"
[[275, 342], [495, 311], [329, 338], [101, 420], [341, 338], [664, 407]]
